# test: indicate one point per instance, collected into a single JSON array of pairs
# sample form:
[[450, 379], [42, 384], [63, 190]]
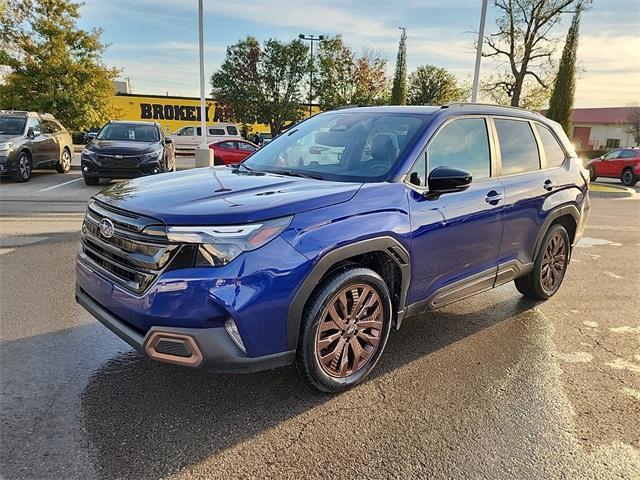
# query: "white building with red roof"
[[602, 128]]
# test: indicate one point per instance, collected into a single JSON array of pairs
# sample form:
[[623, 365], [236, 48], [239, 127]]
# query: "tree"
[[399, 90], [533, 96], [524, 41], [52, 65], [336, 69], [564, 88], [633, 119], [430, 85], [262, 84], [370, 80]]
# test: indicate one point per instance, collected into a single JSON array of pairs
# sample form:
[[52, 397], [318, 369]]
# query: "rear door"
[[38, 142], [52, 145], [526, 187], [456, 236]]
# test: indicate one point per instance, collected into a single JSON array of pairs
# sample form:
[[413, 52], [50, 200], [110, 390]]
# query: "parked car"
[[229, 152], [124, 149], [622, 163], [283, 259], [186, 139], [31, 140]]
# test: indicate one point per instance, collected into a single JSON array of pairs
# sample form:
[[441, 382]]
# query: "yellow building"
[[171, 112]]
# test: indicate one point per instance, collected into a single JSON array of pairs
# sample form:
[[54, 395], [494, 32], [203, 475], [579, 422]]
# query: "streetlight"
[[204, 155], [476, 73], [311, 39]]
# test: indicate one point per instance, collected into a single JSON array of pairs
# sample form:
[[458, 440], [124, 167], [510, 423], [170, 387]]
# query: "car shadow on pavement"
[[148, 420]]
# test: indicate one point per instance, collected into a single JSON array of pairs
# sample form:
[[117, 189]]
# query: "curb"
[[620, 192]]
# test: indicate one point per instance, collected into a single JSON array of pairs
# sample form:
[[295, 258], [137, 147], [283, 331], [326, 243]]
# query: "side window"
[[216, 131], [246, 146], [462, 144], [626, 154], [34, 123], [188, 132], [227, 145], [232, 130], [518, 147], [553, 151], [612, 155]]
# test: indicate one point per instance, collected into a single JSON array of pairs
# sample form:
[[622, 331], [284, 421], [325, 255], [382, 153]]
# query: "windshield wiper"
[[292, 173]]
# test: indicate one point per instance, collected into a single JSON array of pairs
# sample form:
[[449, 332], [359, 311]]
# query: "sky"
[[155, 42]]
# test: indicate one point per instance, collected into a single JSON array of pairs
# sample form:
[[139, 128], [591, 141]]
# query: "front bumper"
[[209, 348], [128, 167]]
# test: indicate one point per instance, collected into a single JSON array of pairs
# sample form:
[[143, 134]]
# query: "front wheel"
[[549, 266], [65, 162], [344, 329], [23, 172], [628, 179]]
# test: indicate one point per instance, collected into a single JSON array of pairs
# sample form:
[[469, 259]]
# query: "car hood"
[[121, 147], [223, 195], [9, 137]]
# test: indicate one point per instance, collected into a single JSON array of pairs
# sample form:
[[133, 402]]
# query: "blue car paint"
[[449, 238]]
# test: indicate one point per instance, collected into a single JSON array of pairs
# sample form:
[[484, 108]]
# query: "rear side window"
[[518, 147], [227, 145], [232, 130], [462, 144], [626, 154], [216, 131], [553, 151]]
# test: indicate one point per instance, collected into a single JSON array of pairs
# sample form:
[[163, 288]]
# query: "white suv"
[[186, 139]]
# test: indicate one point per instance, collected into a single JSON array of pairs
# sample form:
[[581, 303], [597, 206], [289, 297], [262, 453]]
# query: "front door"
[[38, 142], [455, 237]]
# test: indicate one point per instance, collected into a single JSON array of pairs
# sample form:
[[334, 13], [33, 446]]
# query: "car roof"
[[133, 122], [458, 108]]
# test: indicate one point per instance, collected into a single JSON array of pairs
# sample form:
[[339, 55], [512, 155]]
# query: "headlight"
[[155, 154], [219, 245], [5, 146]]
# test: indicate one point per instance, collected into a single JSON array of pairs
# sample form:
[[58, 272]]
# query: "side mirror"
[[168, 140], [33, 133], [91, 135], [448, 179]]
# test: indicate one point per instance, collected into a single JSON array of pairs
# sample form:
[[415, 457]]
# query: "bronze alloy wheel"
[[554, 263], [350, 330]]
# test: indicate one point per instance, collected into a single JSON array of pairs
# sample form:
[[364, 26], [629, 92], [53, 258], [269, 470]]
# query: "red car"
[[229, 152], [622, 163]]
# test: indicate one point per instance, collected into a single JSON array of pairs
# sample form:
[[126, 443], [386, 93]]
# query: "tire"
[[25, 168], [217, 161], [65, 162], [592, 174], [321, 337], [545, 279], [627, 178], [91, 181]]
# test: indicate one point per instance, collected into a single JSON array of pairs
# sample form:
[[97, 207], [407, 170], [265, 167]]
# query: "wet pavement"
[[492, 387]]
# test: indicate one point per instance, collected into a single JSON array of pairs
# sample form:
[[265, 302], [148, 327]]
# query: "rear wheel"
[[23, 172], [627, 178], [549, 266], [91, 181], [344, 329], [217, 161], [65, 162]]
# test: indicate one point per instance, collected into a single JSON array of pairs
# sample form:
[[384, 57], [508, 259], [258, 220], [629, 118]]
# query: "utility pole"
[[476, 73], [204, 155], [311, 39]]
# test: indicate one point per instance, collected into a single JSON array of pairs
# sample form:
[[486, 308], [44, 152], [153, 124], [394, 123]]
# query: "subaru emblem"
[[106, 228], [118, 156]]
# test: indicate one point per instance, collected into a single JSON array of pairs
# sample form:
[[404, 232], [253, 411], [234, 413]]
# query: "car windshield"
[[340, 146], [12, 125], [133, 132]]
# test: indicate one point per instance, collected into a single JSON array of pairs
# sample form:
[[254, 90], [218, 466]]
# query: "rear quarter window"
[[231, 130], [553, 151]]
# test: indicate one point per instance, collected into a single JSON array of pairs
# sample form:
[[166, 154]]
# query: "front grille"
[[131, 257], [124, 163]]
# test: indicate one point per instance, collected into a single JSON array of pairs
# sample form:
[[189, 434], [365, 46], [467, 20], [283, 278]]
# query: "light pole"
[[204, 155], [311, 39], [476, 73]]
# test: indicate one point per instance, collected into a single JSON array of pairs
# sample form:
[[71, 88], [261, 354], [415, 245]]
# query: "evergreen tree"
[[561, 103], [399, 90]]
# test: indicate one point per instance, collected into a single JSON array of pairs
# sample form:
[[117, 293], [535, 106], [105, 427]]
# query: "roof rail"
[[344, 107], [476, 104]]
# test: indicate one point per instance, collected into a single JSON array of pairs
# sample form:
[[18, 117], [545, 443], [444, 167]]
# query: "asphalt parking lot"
[[492, 387]]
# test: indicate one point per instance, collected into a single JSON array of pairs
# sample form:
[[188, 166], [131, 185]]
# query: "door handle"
[[549, 185], [493, 197]]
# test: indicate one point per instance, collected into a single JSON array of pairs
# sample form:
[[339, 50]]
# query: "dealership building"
[[602, 128]]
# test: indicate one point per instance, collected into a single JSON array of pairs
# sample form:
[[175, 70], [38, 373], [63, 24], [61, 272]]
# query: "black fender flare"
[[553, 215], [388, 245]]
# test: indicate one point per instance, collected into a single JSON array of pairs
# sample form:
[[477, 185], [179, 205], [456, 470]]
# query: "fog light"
[[85, 168], [232, 330], [156, 170]]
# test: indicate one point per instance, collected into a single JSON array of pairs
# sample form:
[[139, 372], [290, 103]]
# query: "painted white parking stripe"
[[60, 185]]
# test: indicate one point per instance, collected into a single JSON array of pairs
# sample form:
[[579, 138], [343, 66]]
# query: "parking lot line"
[[60, 185]]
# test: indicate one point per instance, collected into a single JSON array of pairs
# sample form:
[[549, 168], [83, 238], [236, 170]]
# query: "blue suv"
[[317, 245]]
